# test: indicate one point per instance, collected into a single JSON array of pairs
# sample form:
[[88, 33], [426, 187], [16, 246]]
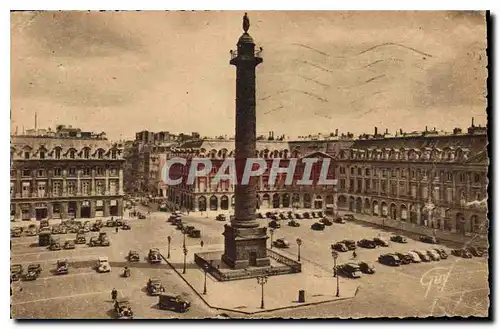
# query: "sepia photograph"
[[249, 165]]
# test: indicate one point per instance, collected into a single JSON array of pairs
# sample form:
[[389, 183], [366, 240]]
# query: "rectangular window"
[[26, 172], [42, 155], [367, 185], [449, 195], [402, 188], [12, 173], [342, 184], [57, 172], [100, 171], [384, 173], [113, 187], [351, 184], [85, 187], [87, 172], [383, 185], [58, 153], [26, 155], [12, 189], [414, 191], [40, 173], [41, 189], [71, 187], [477, 178], [403, 173], [56, 188], [360, 172], [72, 172], [352, 171], [26, 189]]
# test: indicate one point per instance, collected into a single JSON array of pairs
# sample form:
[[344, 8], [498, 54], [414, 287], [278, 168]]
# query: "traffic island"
[[245, 295]]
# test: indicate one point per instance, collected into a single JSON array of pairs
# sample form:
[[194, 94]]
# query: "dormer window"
[[86, 153], [72, 154], [42, 155], [100, 154], [57, 153]]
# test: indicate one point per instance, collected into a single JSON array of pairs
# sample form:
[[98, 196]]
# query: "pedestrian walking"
[[201, 243], [114, 294], [354, 255], [116, 229]]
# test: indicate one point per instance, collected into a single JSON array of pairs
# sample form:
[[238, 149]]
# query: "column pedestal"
[[244, 247]]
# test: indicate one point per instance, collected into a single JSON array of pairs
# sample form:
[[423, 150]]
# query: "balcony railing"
[[234, 53]]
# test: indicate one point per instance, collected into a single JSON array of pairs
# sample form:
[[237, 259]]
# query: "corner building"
[[64, 174]]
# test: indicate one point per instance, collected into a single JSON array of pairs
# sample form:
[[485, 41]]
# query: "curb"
[[255, 312]]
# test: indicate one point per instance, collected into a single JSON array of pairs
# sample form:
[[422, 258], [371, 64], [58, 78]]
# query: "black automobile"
[[428, 239], [313, 214], [269, 214], [126, 227], [133, 256], [474, 251], [307, 215], [381, 242], [399, 239], [274, 224], [326, 221], [318, 226], [349, 217], [366, 267], [299, 216], [293, 223], [464, 253], [442, 253], [340, 247], [350, 270], [350, 244], [320, 214], [389, 259], [340, 220], [282, 216], [404, 258], [290, 215], [365, 243]]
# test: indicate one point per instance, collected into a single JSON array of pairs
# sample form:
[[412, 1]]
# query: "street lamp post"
[[205, 268], [185, 251], [299, 243], [271, 231], [335, 255], [262, 280], [169, 239]]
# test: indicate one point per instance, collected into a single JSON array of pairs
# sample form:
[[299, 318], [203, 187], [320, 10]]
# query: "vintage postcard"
[[226, 164]]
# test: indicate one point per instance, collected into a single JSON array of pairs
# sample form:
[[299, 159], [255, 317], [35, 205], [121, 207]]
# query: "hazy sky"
[[122, 72]]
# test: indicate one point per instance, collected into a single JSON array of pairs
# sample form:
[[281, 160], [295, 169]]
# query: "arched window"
[[71, 154], [86, 153]]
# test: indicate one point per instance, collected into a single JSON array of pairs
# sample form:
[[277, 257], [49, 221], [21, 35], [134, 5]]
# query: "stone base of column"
[[245, 247]]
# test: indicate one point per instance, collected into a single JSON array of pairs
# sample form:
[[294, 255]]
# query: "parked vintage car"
[[340, 220], [126, 227], [35, 268], [16, 232], [293, 223], [349, 217], [307, 215], [120, 222], [141, 216], [433, 255], [281, 243], [102, 265], [104, 240], [155, 287], [313, 214], [221, 218], [350, 244], [16, 271], [110, 223], [62, 267], [350, 270], [30, 276], [442, 253], [282, 216], [399, 239], [289, 215], [274, 224], [367, 268], [133, 256], [340, 247], [123, 309], [389, 259], [405, 259], [320, 214], [474, 251], [32, 230], [95, 228], [365, 243], [326, 221], [80, 238], [318, 226], [69, 244], [415, 258], [154, 256], [173, 303], [55, 244], [99, 223], [423, 255], [195, 234], [299, 216], [381, 241], [464, 253], [94, 241], [428, 239]]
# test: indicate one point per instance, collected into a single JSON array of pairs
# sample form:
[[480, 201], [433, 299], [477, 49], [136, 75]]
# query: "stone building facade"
[[429, 179], [203, 196], [65, 173]]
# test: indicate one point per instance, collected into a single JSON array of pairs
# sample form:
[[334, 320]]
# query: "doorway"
[[40, 213]]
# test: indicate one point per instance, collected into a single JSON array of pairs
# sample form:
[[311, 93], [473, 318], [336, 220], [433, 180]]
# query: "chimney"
[[272, 134], [336, 132], [400, 131], [17, 127], [376, 131], [472, 121], [35, 121], [386, 131], [425, 128]]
